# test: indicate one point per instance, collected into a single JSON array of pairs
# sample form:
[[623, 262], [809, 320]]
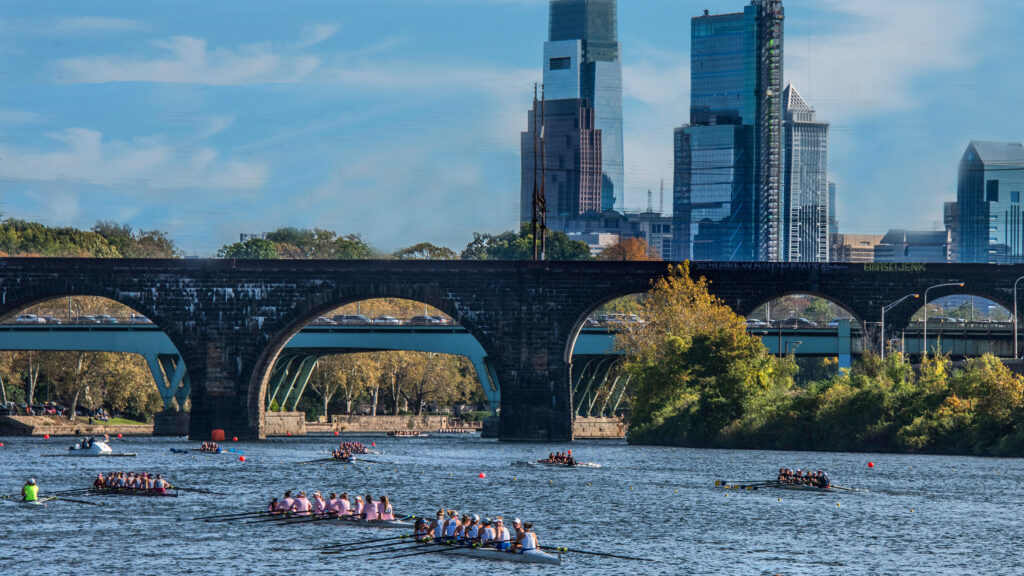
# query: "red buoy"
[[289, 433], [335, 432], [118, 435], [46, 436], [482, 475], [871, 464], [1, 444], [241, 458], [373, 444], [234, 438]]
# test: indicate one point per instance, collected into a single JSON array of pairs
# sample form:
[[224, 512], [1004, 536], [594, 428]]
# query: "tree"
[[818, 310], [629, 249], [252, 249], [328, 378], [512, 246], [425, 251]]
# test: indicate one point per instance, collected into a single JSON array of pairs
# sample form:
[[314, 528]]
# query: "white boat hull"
[[97, 449], [531, 557]]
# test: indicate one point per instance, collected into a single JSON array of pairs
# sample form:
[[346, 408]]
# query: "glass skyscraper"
[[582, 61], [991, 223], [735, 82], [805, 194]]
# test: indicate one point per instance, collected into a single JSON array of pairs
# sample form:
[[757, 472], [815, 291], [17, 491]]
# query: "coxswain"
[[99, 483], [487, 536], [826, 482], [370, 509], [502, 541], [384, 509], [529, 541], [285, 505], [319, 506], [30, 491], [421, 532], [301, 505], [274, 506]]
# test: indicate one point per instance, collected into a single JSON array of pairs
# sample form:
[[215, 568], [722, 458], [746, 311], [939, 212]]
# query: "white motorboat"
[[94, 449]]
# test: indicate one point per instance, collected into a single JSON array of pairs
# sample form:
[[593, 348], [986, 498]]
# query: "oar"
[[564, 549], [339, 549], [236, 514], [236, 517], [361, 551], [62, 499], [197, 490], [350, 544], [441, 548], [273, 518], [315, 461], [236, 451], [733, 482]]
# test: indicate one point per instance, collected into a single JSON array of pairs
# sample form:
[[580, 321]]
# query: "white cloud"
[[188, 60], [83, 157], [95, 24], [316, 34], [872, 63], [12, 116]]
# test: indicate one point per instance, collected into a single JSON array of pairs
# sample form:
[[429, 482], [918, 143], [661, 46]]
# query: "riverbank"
[[58, 426]]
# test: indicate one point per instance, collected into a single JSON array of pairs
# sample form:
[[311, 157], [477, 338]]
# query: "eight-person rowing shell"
[[488, 539], [131, 482], [212, 447], [334, 507]]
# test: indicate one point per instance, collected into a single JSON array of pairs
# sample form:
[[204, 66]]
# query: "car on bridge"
[[352, 319], [424, 321], [30, 319], [106, 319], [323, 321], [84, 320], [387, 321]]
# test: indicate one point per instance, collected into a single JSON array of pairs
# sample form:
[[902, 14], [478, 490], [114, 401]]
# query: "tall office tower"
[[988, 195], [582, 60], [735, 96], [833, 221], [805, 195], [951, 220], [571, 161]]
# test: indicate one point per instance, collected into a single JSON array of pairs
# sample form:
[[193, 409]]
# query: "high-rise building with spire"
[[582, 61]]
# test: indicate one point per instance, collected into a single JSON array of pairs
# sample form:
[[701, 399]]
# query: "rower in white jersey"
[[451, 527], [487, 535], [529, 541], [472, 531], [437, 526], [503, 541]]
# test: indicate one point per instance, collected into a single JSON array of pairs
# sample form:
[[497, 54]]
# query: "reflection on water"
[[919, 514]]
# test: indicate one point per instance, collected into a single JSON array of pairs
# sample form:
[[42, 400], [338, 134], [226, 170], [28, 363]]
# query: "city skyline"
[[206, 128]]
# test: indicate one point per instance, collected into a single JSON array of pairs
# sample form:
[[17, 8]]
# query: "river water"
[[915, 515]]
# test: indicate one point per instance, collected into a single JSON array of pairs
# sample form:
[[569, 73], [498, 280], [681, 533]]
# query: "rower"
[[451, 527], [437, 525], [502, 541], [343, 507], [319, 506], [517, 525], [529, 541], [286, 503], [370, 509], [301, 505], [30, 491], [99, 482], [472, 531], [384, 510], [825, 481], [160, 485], [460, 529], [488, 537], [273, 506]]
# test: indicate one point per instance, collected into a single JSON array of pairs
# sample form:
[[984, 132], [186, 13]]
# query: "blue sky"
[[400, 119]]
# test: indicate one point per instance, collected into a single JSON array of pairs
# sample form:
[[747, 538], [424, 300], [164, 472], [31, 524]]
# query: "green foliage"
[[105, 240], [274, 406], [425, 251], [297, 243], [512, 246]]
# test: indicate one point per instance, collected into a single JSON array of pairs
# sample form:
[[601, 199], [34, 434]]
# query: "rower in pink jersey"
[[343, 506], [286, 503], [384, 510], [302, 505], [370, 509], [319, 506], [359, 507]]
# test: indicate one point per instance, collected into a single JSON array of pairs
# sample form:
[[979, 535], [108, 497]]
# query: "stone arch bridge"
[[230, 319]]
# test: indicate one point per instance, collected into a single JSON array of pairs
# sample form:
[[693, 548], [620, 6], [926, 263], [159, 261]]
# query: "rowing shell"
[[559, 465], [802, 488], [116, 492], [529, 557], [394, 524]]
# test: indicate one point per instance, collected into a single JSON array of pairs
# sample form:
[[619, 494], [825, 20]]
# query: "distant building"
[[991, 225], [598, 229], [571, 160], [582, 59], [805, 195], [854, 247], [913, 246], [735, 132], [833, 222], [951, 219]]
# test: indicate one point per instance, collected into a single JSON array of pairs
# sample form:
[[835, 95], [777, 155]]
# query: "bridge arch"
[[286, 328], [89, 321], [764, 301]]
